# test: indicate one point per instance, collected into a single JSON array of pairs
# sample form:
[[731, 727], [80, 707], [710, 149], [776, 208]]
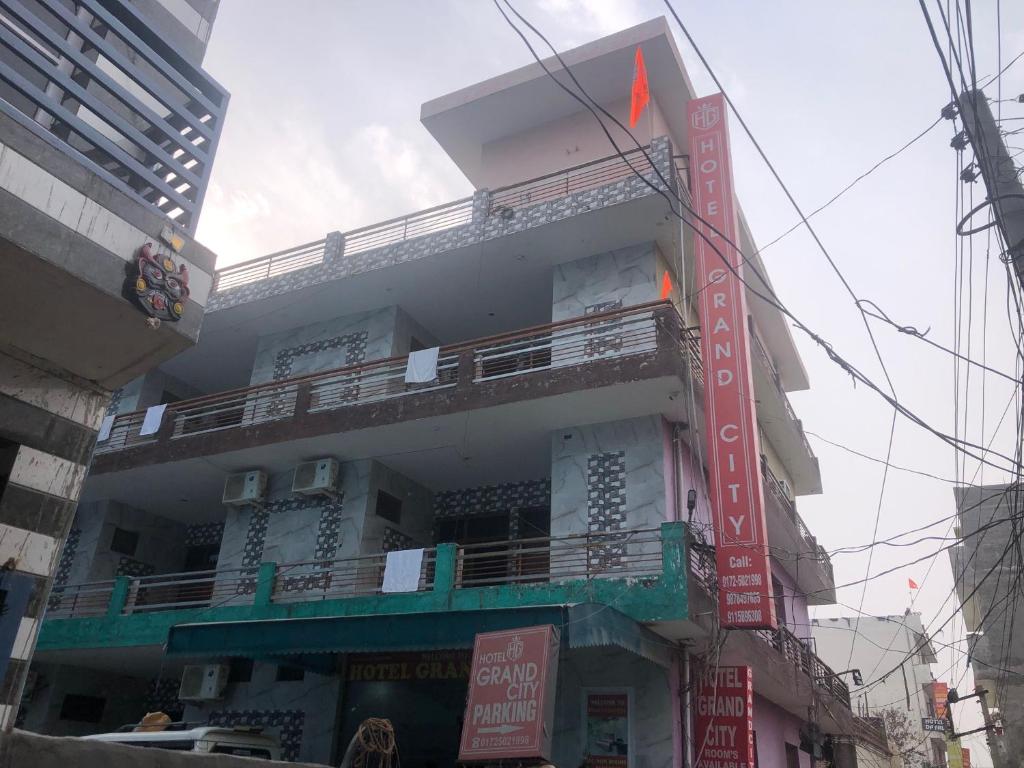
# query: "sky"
[[323, 134]]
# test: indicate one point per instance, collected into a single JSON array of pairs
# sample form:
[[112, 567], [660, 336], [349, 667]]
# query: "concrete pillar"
[[334, 248], [48, 426]]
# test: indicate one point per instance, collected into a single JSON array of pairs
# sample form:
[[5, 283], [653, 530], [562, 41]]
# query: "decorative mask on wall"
[[157, 285]]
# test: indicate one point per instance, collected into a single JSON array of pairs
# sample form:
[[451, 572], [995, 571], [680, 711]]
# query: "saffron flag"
[[666, 286], [641, 95], [912, 584]]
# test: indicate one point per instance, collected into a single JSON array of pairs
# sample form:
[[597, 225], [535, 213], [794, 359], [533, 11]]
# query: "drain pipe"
[[687, 698]]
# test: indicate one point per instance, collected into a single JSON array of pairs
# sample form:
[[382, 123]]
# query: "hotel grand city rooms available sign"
[[511, 703], [725, 718], [737, 498]]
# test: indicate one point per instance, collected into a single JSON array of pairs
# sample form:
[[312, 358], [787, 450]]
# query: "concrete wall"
[[125, 700], [87, 555], [900, 634], [291, 528], [797, 618], [651, 714], [563, 143], [301, 714], [149, 390], [775, 727]]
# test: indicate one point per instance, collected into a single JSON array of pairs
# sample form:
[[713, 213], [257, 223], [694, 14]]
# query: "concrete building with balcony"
[[876, 645], [984, 571], [541, 473], [108, 131]]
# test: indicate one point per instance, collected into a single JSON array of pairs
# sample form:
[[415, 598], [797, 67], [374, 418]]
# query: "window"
[[82, 709], [124, 542], [240, 670], [792, 756], [289, 674], [389, 507]]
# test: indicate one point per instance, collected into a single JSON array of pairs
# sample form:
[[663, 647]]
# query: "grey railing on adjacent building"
[[100, 86], [642, 329]]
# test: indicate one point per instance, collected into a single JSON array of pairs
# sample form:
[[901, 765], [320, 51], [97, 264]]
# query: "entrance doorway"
[[423, 694]]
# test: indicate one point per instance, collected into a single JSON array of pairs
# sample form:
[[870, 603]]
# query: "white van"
[[191, 737]]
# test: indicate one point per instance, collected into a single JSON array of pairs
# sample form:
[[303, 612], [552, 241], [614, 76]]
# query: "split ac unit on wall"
[[316, 478], [245, 488], [203, 682]]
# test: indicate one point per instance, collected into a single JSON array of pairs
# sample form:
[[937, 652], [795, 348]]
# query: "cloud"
[[284, 182], [592, 17]]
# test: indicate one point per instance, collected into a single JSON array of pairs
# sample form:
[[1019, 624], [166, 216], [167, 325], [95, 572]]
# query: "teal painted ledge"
[[646, 599]]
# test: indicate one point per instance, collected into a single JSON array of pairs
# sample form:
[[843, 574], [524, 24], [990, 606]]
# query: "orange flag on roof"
[[912, 584], [666, 286], [641, 95]]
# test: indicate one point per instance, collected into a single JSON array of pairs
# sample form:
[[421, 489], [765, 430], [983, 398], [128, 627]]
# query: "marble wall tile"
[[414, 526], [347, 340], [609, 478], [623, 278], [651, 713], [301, 714]]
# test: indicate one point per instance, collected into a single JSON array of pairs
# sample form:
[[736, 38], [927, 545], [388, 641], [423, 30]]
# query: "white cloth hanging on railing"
[[422, 366], [105, 425], [151, 423], [402, 571]]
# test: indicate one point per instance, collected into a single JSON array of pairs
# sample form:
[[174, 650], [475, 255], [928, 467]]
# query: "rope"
[[375, 737]]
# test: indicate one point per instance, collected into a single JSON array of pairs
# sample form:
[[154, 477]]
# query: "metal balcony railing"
[[95, 82], [630, 554], [620, 333], [501, 201], [777, 493], [579, 178], [777, 380], [378, 235], [614, 554], [795, 650]]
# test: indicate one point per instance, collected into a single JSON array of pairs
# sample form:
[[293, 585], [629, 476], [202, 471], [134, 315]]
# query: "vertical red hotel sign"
[[737, 498], [725, 718]]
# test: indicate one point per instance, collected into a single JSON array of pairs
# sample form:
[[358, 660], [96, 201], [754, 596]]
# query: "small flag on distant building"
[[912, 584], [641, 95], [666, 286]]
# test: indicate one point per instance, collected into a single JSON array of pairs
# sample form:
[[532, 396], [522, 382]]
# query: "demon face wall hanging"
[[157, 285]]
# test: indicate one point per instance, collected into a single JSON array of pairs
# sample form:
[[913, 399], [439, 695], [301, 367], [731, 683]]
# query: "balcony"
[[780, 423], [805, 560], [640, 572], [796, 652], [101, 87], [645, 348]]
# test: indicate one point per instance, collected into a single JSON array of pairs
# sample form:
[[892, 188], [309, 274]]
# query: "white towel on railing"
[[105, 425], [402, 571], [154, 415], [422, 366]]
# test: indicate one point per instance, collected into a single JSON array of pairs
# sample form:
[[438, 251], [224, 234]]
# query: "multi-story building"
[[904, 700], [108, 131], [986, 568], [541, 474]]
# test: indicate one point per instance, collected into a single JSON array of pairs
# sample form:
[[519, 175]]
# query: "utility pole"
[[995, 746], [1005, 191]]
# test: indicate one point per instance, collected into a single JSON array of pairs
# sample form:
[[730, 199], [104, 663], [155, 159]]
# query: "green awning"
[[582, 626]]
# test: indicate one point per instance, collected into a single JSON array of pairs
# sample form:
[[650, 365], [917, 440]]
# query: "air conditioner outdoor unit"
[[203, 682], [245, 488], [316, 478]]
